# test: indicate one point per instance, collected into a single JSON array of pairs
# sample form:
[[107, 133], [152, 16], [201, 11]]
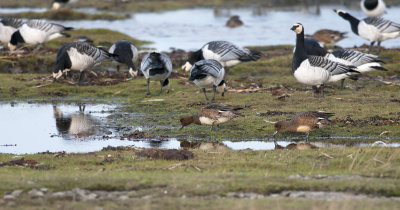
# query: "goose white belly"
[[32, 35], [368, 32], [310, 75], [5, 33], [206, 82], [80, 61]]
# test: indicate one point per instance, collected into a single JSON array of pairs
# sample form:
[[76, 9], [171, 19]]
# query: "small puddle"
[[34, 128]]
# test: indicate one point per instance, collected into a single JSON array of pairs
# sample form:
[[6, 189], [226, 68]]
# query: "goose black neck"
[[196, 56], [300, 53], [353, 23]]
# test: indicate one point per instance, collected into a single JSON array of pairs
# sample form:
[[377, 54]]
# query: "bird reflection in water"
[[77, 124]]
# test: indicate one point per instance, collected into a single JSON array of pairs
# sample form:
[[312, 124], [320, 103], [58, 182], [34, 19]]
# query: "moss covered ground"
[[374, 112]]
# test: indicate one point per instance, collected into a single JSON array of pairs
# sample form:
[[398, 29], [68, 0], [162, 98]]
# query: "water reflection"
[[80, 124]]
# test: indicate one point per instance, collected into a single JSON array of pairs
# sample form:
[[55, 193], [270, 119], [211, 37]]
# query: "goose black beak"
[[335, 10], [293, 28]]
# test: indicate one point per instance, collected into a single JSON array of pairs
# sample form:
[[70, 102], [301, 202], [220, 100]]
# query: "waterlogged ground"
[[338, 169]]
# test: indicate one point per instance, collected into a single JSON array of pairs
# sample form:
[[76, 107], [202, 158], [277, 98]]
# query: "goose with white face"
[[297, 28]]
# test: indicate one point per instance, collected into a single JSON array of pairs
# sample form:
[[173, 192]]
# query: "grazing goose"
[[373, 29], [224, 52], [364, 62], [329, 37], [315, 70], [304, 122], [208, 74], [373, 8], [37, 32], [8, 26], [213, 114], [57, 3], [157, 67], [127, 54], [79, 56]]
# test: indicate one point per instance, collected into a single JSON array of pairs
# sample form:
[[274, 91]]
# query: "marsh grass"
[[66, 14]]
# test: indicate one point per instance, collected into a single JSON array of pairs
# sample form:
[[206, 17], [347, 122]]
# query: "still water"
[[189, 29]]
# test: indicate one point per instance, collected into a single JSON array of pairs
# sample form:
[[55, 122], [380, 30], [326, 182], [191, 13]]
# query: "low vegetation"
[[265, 87]]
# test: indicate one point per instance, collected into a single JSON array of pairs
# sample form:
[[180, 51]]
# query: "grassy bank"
[[66, 14], [214, 178], [371, 171]]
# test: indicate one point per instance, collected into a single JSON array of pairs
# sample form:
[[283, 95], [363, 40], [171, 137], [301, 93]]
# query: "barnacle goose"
[[127, 54], [315, 70], [208, 74], [57, 3], [37, 32], [373, 29], [224, 52], [8, 26], [157, 67], [79, 56], [373, 8], [364, 62]]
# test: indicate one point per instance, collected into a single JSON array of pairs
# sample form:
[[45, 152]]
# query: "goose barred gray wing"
[[211, 67], [167, 62], [98, 54], [227, 51], [146, 63], [383, 25], [46, 26], [334, 68], [355, 57], [13, 22]]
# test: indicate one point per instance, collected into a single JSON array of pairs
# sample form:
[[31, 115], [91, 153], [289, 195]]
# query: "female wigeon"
[[304, 122], [213, 114]]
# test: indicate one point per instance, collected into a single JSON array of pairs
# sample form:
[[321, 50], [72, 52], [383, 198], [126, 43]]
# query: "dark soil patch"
[[54, 94], [273, 113], [375, 120], [170, 154], [139, 135], [119, 148], [26, 163]]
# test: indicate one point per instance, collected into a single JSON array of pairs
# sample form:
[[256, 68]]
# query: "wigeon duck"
[[304, 122], [213, 114]]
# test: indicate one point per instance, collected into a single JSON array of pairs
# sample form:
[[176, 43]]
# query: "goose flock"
[[312, 64]]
